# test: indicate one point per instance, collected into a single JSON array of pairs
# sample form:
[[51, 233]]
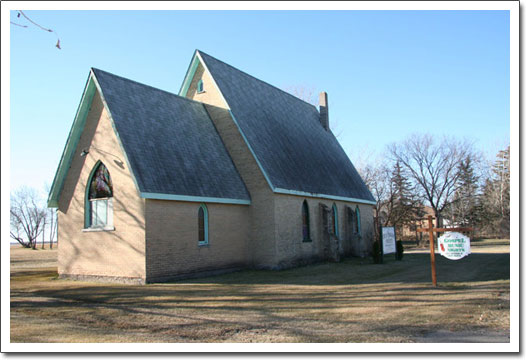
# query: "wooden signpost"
[[430, 229]]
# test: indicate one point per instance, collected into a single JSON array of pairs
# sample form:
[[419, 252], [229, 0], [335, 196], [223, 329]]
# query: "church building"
[[231, 173]]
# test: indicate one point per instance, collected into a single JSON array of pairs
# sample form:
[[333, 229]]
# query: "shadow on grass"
[[290, 302], [412, 275], [248, 307], [414, 268]]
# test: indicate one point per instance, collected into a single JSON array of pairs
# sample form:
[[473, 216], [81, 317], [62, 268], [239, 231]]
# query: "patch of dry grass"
[[351, 301], [23, 258]]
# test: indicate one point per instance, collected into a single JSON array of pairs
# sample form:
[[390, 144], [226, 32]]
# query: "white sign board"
[[454, 246], [388, 240]]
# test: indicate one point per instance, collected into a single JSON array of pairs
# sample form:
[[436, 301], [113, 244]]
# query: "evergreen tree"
[[496, 196], [463, 210], [404, 203], [488, 215], [501, 171]]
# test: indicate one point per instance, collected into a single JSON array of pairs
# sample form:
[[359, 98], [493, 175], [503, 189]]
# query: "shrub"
[[377, 253], [399, 250]]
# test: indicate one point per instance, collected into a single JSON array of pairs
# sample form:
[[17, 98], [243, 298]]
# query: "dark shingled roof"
[[285, 133], [170, 141]]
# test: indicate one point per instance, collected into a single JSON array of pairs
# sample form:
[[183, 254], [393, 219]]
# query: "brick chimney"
[[324, 110]]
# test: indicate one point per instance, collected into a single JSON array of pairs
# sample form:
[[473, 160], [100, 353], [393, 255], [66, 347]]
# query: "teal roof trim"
[[200, 199], [184, 90], [285, 136], [91, 88], [112, 122], [170, 142], [74, 136], [252, 151], [72, 142], [323, 196], [189, 75]]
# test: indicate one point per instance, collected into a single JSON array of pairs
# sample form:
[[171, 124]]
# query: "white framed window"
[[101, 213], [202, 225]]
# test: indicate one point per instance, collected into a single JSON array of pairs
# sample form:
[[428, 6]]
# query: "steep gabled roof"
[[296, 154], [171, 145]]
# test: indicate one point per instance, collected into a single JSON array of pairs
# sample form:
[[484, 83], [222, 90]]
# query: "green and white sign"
[[388, 240], [454, 246]]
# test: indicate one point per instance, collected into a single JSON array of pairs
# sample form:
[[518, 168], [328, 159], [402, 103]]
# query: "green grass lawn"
[[351, 301]]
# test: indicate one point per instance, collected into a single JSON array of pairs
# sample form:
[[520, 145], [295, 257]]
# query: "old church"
[[231, 173]]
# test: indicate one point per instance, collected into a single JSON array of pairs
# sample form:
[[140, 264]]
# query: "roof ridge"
[[152, 87], [264, 82]]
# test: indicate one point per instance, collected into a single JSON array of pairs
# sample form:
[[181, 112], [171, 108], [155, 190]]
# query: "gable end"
[[77, 128]]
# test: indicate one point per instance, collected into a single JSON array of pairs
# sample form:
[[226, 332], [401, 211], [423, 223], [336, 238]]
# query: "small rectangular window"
[[200, 87]]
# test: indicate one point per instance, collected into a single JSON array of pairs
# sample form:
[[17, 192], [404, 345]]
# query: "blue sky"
[[388, 73]]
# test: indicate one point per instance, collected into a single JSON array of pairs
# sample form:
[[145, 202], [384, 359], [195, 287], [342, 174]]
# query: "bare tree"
[[304, 92], [44, 222], [376, 177], [21, 13], [51, 218], [52, 226], [27, 216], [433, 166], [311, 96]]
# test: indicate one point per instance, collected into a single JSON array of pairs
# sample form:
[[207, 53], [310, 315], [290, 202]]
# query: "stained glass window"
[[351, 220], [101, 186], [334, 220], [305, 221], [358, 229], [100, 202]]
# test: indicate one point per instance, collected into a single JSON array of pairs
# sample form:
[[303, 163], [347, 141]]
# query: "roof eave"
[[323, 196], [121, 146], [191, 198], [77, 128], [192, 67], [71, 144]]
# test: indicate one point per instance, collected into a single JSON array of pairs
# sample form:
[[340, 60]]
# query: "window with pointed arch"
[[335, 220], [351, 220], [358, 225], [99, 199], [202, 224], [305, 225]]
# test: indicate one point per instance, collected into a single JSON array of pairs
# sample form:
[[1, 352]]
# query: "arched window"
[[98, 212], [305, 221], [202, 224], [351, 220], [335, 220], [358, 225], [200, 87]]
